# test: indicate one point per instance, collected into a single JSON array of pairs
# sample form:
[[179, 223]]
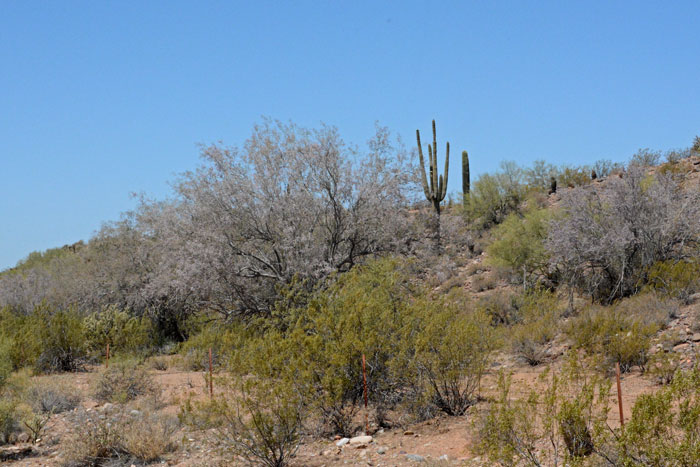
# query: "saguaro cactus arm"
[[421, 159]]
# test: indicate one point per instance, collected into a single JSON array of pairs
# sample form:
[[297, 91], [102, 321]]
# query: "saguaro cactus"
[[436, 189], [465, 174]]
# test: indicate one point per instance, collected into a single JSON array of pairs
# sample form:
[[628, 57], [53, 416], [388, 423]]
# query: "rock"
[[680, 347], [342, 442], [135, 413], [444, 457], [696, 337], [408, 433], [361, 440], [382, 450], [107, 406], [16, 453], [415, 458]]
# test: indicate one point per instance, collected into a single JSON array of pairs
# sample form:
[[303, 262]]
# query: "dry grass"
[[123, 435]]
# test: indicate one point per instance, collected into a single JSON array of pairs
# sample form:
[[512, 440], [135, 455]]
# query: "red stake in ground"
[[619, 394], [364, 381]]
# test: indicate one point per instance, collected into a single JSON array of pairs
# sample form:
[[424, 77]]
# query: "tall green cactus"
[[436, 190], [465, 173]]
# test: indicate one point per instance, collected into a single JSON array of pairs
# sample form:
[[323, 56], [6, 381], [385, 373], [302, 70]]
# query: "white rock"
[[361, 440], [342, 442]]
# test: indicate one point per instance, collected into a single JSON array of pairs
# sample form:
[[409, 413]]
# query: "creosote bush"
[[674, 279], [451, 351], [425, 352], [537, 324], [50, 340], [123, 382], [621, 333], [258, 420], [519, 244], [559, 423], [564, 422]]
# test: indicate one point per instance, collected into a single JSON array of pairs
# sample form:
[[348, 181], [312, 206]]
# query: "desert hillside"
[[300, 304]]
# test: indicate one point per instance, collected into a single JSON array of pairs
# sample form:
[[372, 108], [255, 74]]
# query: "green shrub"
[[664, 426], [20, 338], [539, 312], [224, 339], [62, 340], [573, 176], [519, 243], [258, 420], [621, 333], [560, 422], [493, 197], [123, 332], [421, 350], [674, 279], [5, 362], [123, 382], [501, 306], [49, 340], [451, 351]]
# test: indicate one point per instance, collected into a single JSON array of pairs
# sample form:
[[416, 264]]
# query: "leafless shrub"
[[52, 397], [610, 236]]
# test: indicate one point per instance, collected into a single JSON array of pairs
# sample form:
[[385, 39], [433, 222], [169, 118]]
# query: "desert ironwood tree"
[[291, 205], [609, 236]]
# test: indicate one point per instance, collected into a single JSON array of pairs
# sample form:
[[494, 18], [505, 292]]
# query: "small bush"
[[9, 423], [63, 341], [646, 158], [494, 196], [519, 243], [559, 423], [101, 436], [501, 307], [159, 363], [147, 436], [663, 366], [262, 423], [674, 279], [663, 428], [452, 350], [123, 382], [5, 362], [52, 398], [224, 340], [621, 333], [484, 282], [538, 316], [122, 331]]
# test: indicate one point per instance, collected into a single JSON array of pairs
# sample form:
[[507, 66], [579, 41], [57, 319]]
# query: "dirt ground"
[[441, 441]]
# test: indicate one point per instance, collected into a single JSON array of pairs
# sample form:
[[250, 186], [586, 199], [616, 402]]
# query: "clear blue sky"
[[100, 99]]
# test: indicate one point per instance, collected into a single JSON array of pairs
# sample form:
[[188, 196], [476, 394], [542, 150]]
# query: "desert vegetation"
[[323, 296]]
